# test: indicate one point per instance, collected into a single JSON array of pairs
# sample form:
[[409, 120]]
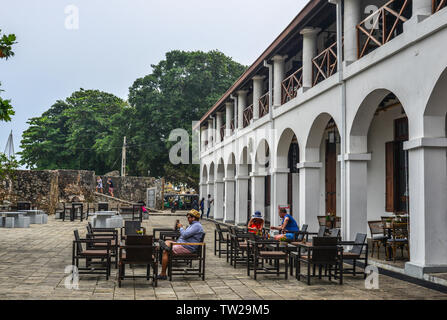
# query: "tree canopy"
[[6, 42], [86, 131]]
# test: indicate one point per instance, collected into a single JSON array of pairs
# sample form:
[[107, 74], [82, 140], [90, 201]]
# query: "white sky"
[[117, 41]]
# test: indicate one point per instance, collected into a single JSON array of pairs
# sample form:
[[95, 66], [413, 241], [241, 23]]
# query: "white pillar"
[[229, 200], [257, 94], [357, 191], [241, 105], [218, 200], [279, 192], [310, 194], [203, 138], [428, 205], [422, 9], [296, 195], [241, 200], [211, 192], [229, 117], [309, 52], [219, 124], [203, 188], [278, 77], [258, 192], [352, 16], [210, 133]]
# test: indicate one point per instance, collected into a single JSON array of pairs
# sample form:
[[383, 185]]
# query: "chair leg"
[[286, 273], [308, 273], [354, 267]]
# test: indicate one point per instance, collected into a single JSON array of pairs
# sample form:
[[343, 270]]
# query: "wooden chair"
[[239, 245], [359, 251], [324, 252], [198, 255], [138, 250], [220, 237], [378, 237], [399, 239], [105, 234], [258, 252], [90, 253], [131, 228]]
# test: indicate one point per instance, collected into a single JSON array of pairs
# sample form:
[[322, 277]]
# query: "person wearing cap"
[[192, 234], [256, 222]]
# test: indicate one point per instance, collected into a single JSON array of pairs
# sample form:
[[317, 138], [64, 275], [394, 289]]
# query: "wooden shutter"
[[267, 191], [389, 177]]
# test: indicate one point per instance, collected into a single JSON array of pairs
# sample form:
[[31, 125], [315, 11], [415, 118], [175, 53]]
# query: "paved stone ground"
[[32, 264]]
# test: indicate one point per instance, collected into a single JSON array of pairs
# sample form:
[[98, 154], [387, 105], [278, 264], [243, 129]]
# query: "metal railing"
[[438, 5]]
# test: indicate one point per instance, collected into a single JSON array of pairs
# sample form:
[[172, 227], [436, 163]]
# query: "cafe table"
[[16, 215], [33, 214]]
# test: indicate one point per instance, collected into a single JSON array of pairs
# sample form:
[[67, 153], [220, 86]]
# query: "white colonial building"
[[357, 130]]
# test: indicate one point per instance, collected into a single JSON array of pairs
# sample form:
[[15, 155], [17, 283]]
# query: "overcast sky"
[[117, 41]]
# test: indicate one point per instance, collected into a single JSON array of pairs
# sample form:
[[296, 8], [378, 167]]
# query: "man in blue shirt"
[[192, 234], [288, 226]]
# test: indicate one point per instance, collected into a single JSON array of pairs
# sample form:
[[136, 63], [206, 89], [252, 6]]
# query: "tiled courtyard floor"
[[32, 264]]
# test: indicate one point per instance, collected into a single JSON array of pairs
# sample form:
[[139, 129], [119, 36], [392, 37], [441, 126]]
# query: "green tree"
[[7, 167], [6, 42], [179, 90], [71, 134]]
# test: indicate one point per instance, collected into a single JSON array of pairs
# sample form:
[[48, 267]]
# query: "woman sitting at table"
[[288, 226], [256, 223]]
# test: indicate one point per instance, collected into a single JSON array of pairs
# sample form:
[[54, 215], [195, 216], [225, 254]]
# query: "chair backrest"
[[89, 228], [303, 233], [335, 233], [400, 230], [322, 220], [131, 227], [338, 222], [360, 239], [219, 231], [375, 227], [321, 231], [23, 205], [104, 206], [77, 238], [139, 255], [327, 254]]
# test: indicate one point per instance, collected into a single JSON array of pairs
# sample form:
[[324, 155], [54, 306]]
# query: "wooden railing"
[[264, 105], [325, 64], [438, 5], [387, 23], [291, 85], [248, 115], [222, 132]]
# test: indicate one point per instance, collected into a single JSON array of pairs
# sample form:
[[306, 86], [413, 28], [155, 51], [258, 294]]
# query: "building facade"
[[357, 131]]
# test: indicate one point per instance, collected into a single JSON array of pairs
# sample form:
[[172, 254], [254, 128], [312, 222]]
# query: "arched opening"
[[288, 158], [323, 147], [261, 181]]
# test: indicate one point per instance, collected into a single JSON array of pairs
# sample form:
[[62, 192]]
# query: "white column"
[[428, 205], [241, 105], [211, 192], [296, 195], [219, 124], [356, 195], [210, 133], [202, 138], [258, 192], [202, 191], [310, 194], [278, 77], [229, 117], [229, 200], [219, 200], [422, 8], [257, 93], [279, 192], [241, 200], [351, 17], [309, 52]]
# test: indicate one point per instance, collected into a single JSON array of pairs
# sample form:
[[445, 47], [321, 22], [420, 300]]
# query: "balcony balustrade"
[[291, 85], [264, 105], [438, 5], [248, 115], [325, 64], [387, 23]]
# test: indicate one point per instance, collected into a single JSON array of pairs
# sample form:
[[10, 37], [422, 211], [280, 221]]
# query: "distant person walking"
[[202, 207], [99, 184], [209, 202], [110, 183]]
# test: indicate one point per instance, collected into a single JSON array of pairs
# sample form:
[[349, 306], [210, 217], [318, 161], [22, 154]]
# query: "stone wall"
[[47, 189]]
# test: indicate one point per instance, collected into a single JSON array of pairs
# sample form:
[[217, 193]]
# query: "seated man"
[[192, 234], [288, 226], [256, 223]]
